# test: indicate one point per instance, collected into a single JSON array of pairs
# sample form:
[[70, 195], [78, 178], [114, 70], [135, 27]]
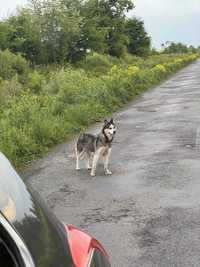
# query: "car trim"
[[90, 249], [24, 254], [9, 251], [91, 256], [89, 243]]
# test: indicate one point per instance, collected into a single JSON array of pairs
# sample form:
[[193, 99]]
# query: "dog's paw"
[[78, 169], [92, 174], [108, 172]]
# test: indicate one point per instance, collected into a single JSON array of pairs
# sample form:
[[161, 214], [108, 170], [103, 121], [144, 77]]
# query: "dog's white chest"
[[104, 151]]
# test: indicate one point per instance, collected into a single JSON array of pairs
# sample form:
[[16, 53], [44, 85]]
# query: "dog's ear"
[[105, 122], [111, 120]]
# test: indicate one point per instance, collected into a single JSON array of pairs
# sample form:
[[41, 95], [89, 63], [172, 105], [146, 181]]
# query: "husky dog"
[[93, 147]]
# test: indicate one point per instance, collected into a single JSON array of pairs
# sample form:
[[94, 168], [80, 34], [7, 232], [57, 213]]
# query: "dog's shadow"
[[100, 173]]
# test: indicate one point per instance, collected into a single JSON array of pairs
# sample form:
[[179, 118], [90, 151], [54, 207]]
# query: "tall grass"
[[46, 109]]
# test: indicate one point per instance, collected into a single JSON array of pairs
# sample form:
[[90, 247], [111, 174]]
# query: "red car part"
[[82, 245]]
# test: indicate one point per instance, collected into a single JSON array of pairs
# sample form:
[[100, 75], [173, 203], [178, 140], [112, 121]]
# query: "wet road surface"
[[148, 212]]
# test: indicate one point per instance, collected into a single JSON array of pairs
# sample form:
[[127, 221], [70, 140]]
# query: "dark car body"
[[33, 235]]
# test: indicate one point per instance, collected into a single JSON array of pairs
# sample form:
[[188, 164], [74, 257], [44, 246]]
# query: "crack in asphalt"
[[115, 214]]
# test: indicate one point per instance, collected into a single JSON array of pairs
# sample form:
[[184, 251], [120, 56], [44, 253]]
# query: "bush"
[[11, 64], [35, 81], [132, 59], [97, 63], [9, 90]]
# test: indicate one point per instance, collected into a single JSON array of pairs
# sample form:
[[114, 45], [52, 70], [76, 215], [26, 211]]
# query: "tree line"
[[179, 48], [60, 31], [57, 31]]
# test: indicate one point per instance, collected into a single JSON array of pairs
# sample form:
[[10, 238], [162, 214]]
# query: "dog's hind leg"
[[77, 162], [88, 164], [78, 155], [106, 162]]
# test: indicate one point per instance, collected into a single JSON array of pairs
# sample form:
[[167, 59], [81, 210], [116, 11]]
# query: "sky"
[[8, 6], [170, 20], [165, 20]]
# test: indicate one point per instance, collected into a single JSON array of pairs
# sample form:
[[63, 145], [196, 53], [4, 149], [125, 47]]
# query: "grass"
[[47, 107]]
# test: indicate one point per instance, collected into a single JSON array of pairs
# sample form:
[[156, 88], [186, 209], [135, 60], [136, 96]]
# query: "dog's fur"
[[93, 147]]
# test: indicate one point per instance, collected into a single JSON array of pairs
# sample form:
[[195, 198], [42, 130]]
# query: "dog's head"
[[109, 129]]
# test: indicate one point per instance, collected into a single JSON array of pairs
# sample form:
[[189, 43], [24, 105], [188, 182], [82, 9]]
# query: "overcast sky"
[[170, 20], [8, 6], [165, 20]]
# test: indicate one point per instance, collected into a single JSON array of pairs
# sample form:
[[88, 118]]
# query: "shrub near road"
[[48, 108]]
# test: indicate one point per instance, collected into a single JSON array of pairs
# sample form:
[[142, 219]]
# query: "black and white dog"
[[93, 147]]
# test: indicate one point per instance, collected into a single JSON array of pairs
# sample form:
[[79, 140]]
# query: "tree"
[[26, 37], [176, 48], [192, 49], [103, 27], [56, 31], [6, 31], [60, 24], [115, 11], [139, 42], [44, 32]]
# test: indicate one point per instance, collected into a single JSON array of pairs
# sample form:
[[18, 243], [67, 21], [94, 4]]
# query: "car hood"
[[43, 234]]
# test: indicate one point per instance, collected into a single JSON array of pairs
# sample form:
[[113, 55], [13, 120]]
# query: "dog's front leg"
[[77, 163], [106, 162], [95, 162]]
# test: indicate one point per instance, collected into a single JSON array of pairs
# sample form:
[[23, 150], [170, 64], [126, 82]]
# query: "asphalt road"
[[148, 212]]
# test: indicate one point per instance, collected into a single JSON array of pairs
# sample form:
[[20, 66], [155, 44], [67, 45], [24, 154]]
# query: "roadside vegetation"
[[39, 110], [65, 64]]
